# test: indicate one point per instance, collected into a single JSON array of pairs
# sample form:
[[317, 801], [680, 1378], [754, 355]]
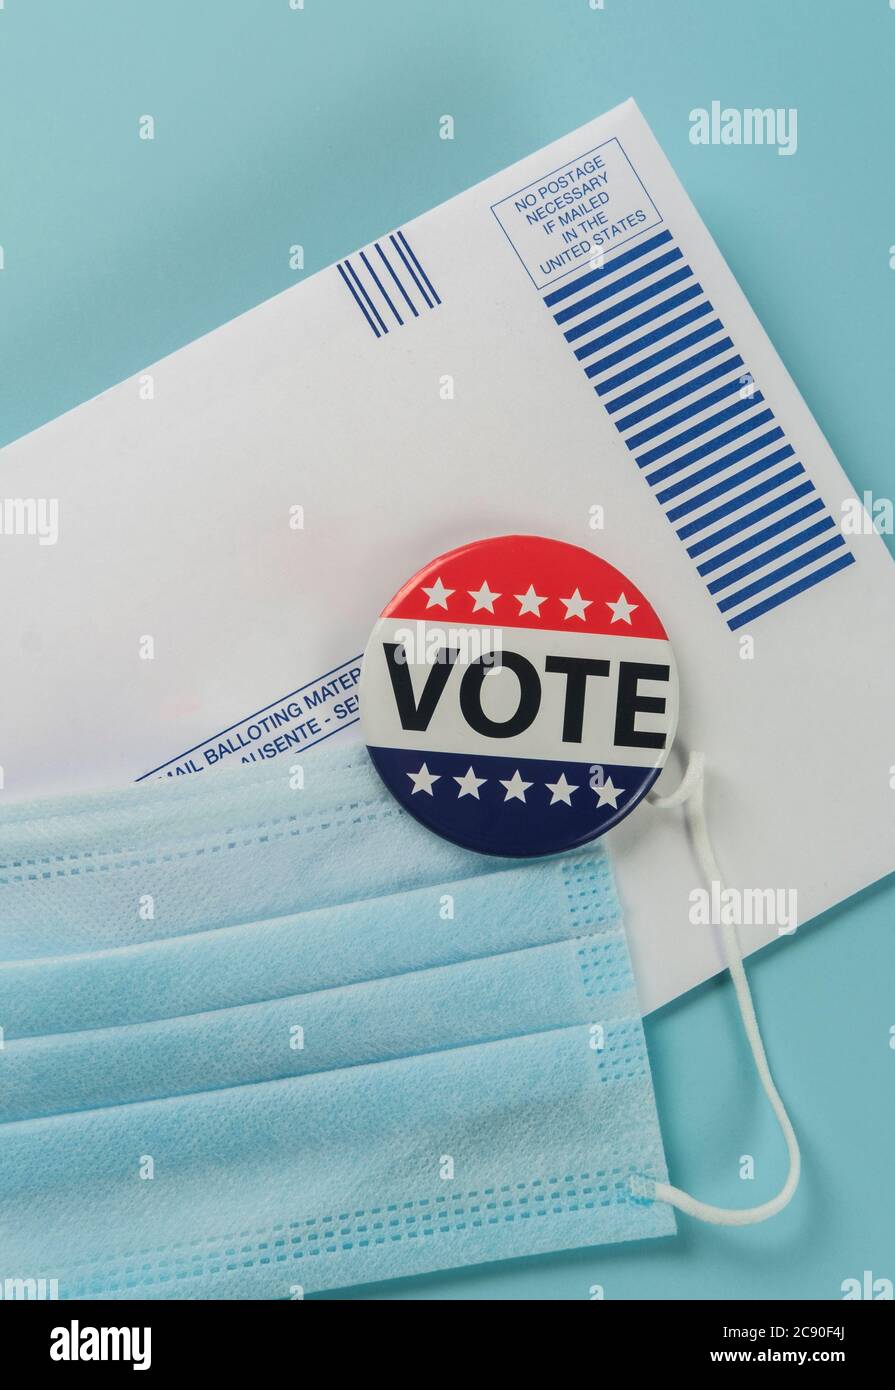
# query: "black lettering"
[[576, 670], [630, 704], [471, 695], [413, 715]]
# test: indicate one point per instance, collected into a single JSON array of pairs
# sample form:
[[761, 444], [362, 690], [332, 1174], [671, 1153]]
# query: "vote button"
[[519, 696]]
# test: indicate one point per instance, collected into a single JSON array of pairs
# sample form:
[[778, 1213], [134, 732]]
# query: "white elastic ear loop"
[[690, 795]]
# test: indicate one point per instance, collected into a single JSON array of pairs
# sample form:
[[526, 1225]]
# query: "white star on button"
[[438, 595], [484, 597], [622, 610], [423, 780], [515, 787], [530, 602], [576, 605], [608, 793], [562, 790], [469, 784]]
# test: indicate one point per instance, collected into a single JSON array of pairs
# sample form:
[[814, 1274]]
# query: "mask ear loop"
[[690, 795]]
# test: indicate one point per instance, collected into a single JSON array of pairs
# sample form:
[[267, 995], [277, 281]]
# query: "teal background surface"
[[319, 125]]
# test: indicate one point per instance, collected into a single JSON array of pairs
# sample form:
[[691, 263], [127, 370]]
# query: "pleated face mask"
[[264, 1034]]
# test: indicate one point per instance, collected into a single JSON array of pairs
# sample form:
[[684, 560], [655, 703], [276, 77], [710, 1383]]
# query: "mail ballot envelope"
[[559, 351]]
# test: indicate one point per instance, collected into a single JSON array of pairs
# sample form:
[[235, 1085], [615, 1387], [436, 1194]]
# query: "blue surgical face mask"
[[265, 1033]]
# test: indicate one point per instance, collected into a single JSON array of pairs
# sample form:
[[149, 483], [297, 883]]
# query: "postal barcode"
[[699, 428], [388, 284]]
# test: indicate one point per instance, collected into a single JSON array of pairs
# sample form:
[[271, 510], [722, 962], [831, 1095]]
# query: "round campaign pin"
[[519, 695]]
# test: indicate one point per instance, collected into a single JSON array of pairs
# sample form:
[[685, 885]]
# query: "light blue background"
[[320, 126]]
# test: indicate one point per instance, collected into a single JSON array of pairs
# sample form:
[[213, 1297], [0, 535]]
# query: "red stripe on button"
[[600, 598]]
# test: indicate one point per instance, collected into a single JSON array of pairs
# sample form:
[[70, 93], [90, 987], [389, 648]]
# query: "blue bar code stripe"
[[751, 495], [679, 393], [712, 452], [736, 527], [773, 553], [687, 436], [656, 312], [388, 265], [711, 470], [411, 272], [776, 528], [358, 301], [367, 300], [633, 301], [381, 288], [601, 272], [783, 572], [646, 364], [784, 595], [378, 283], [409, 249], [709, 494], [632, 278], [668, 470], [686, 413]]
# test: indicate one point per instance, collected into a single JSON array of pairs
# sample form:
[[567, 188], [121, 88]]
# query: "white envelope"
[[251, 502]]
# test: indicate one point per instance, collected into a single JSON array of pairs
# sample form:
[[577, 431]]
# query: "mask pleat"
[[261, 1036]]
